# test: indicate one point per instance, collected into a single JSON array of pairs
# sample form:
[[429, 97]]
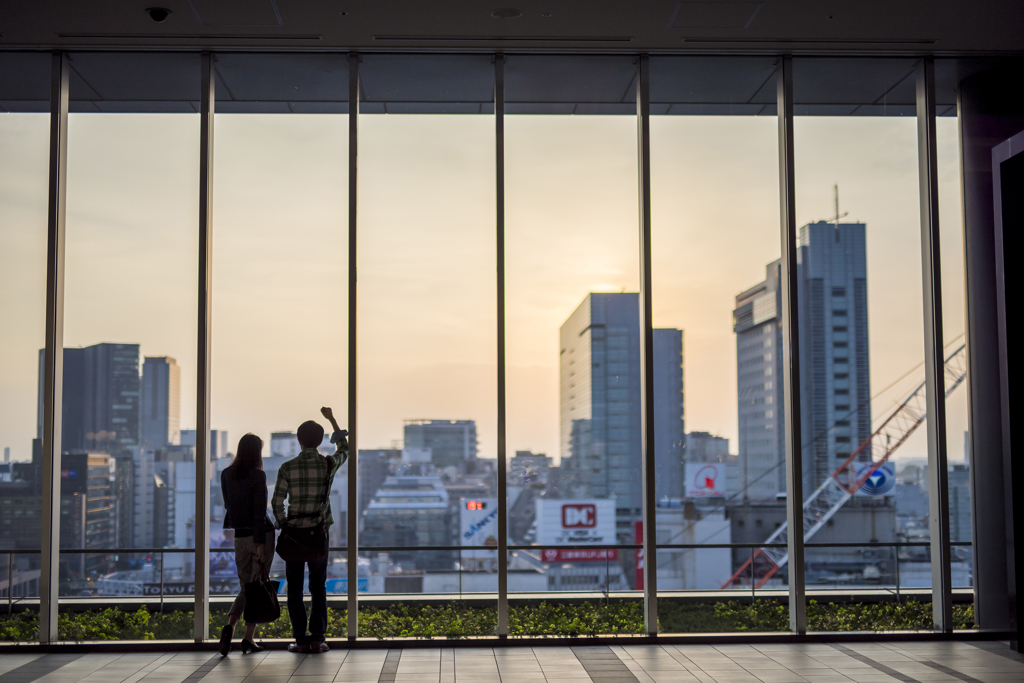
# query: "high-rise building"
[[757, 323], [88, 510], [527, 468], [451, 442], [600, 375], [374, 467], [284, 444], [834, 361], [101, 398], [959, 504], [124, 499], [669, 414], [706, 447], [161, 402], [219, 446]]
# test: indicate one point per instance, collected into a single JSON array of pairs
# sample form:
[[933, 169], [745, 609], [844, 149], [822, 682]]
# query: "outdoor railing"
[[608, 560]]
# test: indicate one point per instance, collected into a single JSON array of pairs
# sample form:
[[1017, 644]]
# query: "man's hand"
[[261, 552], [329, 414]]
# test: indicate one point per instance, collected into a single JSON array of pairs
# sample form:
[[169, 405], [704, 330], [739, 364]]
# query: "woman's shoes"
[[225, 640], [249, 646]]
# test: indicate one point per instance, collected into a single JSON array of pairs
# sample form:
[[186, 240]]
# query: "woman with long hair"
[[244, 486]]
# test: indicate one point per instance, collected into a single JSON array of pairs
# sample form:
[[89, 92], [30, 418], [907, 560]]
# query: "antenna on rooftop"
[[838, 215]]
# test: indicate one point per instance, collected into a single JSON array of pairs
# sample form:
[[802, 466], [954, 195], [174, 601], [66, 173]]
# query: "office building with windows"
[[835, 360], [452, 443], [161, 402], [757, 324], [101, 397], [834, 372], [599, 375]]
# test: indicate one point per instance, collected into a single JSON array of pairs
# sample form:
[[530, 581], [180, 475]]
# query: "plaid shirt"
[[301, 480]]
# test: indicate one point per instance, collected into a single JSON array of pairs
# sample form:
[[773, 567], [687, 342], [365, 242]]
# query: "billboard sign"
[[881, 482], [705, 479], [576, 522], [560, 555], [478, 525]]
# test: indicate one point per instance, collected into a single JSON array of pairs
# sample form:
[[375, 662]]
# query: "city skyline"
[[585, 186]]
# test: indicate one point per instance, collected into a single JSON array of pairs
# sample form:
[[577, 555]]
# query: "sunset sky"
[[427, 256]]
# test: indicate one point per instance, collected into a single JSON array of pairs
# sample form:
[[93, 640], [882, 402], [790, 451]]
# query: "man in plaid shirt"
[[301, 481]]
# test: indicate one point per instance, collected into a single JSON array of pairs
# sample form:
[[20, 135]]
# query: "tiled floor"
[[814, 663]]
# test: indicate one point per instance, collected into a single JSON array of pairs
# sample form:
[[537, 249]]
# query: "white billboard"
[[576, 522], [478, 522], [705, 479]]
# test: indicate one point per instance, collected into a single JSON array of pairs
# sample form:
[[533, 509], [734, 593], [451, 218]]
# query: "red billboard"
[[579, 516], [584, 555]]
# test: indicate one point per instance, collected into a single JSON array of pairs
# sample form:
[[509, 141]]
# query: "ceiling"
[[258, 82], [946, 27]]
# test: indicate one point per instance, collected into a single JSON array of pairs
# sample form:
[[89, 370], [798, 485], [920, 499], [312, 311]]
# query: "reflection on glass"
[[572, 316], [24, 149]]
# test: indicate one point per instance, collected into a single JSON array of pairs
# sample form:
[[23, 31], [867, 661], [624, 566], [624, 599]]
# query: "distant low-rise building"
[[408, 512]]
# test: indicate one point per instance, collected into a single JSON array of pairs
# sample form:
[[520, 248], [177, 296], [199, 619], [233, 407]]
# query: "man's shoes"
[[318, 647], [298, 649]]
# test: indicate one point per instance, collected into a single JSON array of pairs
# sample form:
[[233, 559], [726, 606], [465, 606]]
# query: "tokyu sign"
[[576, 522]]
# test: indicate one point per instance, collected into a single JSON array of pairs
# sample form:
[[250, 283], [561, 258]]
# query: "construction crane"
[[838, 488]]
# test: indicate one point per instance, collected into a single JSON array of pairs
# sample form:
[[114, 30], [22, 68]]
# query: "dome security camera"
[[158, 14]]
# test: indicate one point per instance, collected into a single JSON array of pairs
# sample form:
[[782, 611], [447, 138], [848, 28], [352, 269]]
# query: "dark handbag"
[[261, 605], [307, 543]]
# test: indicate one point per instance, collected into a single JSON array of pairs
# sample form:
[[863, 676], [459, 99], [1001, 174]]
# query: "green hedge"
[[457, 620]]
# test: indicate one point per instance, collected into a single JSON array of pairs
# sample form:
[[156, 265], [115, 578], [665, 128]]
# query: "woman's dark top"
[[245, 503]]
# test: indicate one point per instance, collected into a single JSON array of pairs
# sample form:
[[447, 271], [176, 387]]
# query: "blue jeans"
[[294, 573]]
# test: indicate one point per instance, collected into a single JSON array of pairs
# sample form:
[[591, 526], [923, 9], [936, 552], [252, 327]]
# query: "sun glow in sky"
[[427, 292]]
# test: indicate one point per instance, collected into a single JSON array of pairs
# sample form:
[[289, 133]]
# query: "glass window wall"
[[717, 321], [572, 325], [280, 280], [861, 323], [427, 317], [127, 473], [24, 156], [427, 320]]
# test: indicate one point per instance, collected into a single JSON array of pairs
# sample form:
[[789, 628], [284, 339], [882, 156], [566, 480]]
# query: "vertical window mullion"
[[201, 525], [53, 373], [650, 510], [935, 392], [791, 351], [499, 171], [352, 536]]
